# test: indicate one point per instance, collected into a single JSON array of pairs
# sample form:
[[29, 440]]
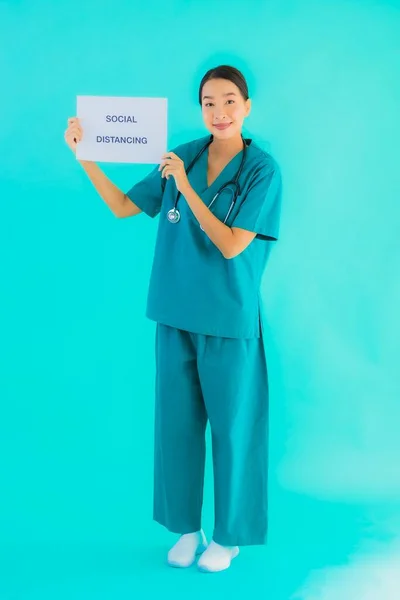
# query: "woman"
[[204, 296]]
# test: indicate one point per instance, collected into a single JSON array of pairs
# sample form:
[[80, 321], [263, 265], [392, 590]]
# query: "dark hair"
[[226, 72]]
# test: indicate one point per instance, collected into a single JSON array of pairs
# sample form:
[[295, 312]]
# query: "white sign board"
[[122, 130]]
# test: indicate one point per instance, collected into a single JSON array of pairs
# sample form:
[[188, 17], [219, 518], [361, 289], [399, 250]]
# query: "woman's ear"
[[248, 107]]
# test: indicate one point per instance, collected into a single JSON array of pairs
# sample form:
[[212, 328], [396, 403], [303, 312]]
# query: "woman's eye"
[[208, 104]]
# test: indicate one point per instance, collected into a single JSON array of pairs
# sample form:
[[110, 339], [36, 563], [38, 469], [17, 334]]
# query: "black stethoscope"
[[174, 215]]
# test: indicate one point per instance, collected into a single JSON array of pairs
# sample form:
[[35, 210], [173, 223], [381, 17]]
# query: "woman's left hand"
[[172, 166]]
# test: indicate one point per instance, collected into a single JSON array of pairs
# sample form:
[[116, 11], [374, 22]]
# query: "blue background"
[[77, 358]]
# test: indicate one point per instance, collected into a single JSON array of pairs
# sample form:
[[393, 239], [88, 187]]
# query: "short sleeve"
[[147, 194], [261, 208]]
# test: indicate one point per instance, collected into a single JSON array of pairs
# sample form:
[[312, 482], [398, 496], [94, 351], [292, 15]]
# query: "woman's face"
[[224, 108]]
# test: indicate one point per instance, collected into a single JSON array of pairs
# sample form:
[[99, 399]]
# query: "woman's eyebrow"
[[212, 97]]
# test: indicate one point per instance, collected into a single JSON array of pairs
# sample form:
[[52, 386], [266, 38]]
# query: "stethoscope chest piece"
[[173, 215]]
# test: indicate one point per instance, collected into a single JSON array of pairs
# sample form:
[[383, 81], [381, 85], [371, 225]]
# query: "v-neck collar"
[[222, 175]]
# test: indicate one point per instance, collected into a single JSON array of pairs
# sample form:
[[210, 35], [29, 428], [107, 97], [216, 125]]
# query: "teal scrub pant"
[[224, 381]]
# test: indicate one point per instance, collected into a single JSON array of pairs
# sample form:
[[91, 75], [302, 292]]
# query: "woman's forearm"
[[115, 199], [220, 234], [230, 241]]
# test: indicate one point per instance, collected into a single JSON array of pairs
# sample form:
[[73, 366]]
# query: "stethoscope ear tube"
[[174, 216]]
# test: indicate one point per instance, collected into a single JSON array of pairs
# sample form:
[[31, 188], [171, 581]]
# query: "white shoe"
[[217, 558], [186, 549]]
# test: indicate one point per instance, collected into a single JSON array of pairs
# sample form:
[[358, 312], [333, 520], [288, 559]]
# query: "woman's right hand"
[[73, 133]]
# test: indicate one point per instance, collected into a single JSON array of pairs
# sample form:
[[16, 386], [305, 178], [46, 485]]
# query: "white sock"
[[184, 552], [217, 558]]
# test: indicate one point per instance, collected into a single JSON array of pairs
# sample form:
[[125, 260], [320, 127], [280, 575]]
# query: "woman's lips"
[[222, 126]]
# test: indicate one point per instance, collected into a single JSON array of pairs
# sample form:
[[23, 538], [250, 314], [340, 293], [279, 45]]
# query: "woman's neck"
[[226, 148]]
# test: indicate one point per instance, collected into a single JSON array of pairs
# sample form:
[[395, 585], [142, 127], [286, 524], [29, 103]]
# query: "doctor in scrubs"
[[218, 202]]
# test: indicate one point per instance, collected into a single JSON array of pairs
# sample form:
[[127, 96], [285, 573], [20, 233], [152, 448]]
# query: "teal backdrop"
[[77, 358]]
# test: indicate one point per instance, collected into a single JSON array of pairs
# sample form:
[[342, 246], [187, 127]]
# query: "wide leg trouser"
[[223, 380]]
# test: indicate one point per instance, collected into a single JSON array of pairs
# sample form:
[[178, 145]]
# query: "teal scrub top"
[[192, 286]]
